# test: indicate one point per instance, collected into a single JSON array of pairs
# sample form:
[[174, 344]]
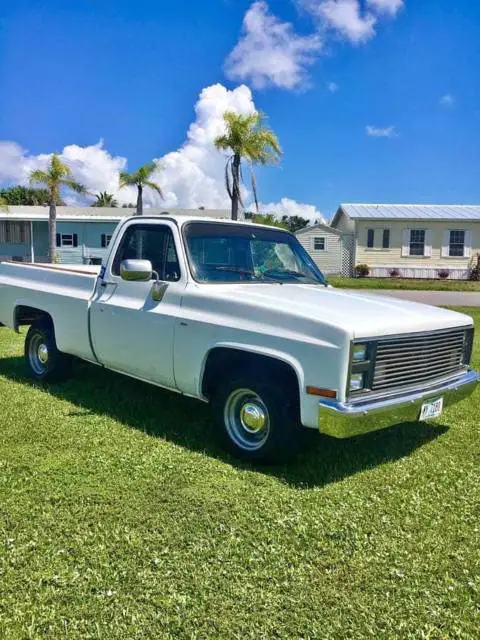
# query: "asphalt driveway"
[[437, 298]]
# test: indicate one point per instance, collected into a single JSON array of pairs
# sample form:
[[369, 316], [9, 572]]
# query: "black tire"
[[238, 405], [43, 360]]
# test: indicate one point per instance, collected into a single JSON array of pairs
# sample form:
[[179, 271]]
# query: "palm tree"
[[246, 138], [141, 179], [104, 199], [57, 175]]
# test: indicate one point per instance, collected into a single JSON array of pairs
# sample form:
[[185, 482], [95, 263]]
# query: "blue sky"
[[130, 73]]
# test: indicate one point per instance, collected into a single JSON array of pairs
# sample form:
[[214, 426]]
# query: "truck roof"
[[183, 219]]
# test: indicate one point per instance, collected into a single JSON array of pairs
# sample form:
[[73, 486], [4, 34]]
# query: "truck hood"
[[361, 315]]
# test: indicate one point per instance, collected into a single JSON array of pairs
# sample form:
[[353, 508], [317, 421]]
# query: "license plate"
[[431, 409]]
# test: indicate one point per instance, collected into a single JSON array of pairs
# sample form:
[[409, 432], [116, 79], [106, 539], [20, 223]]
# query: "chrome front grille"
[[418, 358]]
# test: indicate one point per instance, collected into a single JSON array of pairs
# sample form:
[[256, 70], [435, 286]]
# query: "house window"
[[106, 238], [386, 239], [417, 242], [14, 232], [370, 238], [319, 244], [456, 245], [67, 240]]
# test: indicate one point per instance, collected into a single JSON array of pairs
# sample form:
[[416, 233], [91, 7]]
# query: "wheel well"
[[222, 361], [28, 315]]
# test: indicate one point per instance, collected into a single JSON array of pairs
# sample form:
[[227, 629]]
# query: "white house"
[[330, 248], [411, 240]]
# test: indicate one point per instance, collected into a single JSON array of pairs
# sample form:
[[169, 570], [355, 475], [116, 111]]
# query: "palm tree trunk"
[[52, 232], [139, 211], [236, 186]]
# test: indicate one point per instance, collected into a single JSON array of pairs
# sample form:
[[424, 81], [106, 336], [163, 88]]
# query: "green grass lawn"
[[121, 518], [404, 283]]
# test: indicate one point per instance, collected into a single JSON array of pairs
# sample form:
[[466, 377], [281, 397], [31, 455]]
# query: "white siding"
[[330, 260]]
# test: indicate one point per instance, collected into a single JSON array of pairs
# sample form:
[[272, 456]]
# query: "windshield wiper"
[[290, 272], [232, 269]]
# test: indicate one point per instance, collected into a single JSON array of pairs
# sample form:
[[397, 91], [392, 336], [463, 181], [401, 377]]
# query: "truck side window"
[[152, 242]]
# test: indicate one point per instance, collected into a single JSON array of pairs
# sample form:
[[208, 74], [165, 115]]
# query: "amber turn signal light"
[[326, 393]]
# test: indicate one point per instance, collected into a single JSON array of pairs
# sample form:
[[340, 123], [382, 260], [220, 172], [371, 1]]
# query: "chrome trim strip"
[[345, 419]]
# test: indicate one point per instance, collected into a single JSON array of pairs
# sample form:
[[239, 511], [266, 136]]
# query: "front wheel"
[[257, 421], [44, 361]]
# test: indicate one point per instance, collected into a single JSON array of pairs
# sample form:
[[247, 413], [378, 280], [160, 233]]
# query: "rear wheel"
[[257, 420], [44, 361]]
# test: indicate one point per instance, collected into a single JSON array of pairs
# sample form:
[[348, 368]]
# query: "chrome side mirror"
[[136, 270]]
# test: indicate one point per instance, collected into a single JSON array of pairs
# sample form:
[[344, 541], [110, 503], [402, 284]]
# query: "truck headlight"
[[357, 381], [359, 352]]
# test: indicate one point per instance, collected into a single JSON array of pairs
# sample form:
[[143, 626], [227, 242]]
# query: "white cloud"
[[345, 17], [447, 100], [92, 165], [192, 176], [390, 7], [332, 87], [269, 51], [290, 207], [380, 132]]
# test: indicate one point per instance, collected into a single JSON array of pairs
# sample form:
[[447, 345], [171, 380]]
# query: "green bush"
[[362, 270]]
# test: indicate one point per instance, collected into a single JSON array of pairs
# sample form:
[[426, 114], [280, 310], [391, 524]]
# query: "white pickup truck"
[[238, 315]]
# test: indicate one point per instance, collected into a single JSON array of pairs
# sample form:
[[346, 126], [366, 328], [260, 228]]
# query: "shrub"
[[362, 270], [394, 273], [443, 273]]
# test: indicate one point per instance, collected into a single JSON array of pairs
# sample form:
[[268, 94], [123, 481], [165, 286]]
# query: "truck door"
[[131, 332]]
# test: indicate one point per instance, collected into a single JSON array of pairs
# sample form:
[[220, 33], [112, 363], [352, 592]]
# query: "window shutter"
[[406, 242], [104, 241], [75, 240], [58, 240], [386, 239], [428, 243], [446, 244], [467, 249]]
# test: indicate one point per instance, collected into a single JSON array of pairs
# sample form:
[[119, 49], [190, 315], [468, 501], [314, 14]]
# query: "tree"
[[57, 175], [247, 139], [104, 199], [295, 223], [265, 218], [3, 204], [141, 179], [20, 195]]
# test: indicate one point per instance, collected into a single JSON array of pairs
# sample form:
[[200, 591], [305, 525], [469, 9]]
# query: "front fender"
[[258, 350]]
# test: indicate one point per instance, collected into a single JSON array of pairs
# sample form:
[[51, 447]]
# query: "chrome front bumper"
[[345, 419]]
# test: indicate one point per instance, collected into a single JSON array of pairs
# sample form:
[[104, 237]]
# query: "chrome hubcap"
[[38, 354], [252, 417], [43, 353], [246, 419]]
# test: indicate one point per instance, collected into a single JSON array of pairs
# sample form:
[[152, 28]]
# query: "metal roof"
[[319, 225], [101, 214], [412, 211]]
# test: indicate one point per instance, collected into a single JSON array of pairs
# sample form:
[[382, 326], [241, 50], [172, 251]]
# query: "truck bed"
[[63, 291]]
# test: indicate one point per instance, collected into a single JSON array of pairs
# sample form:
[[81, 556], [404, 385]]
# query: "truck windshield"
[[245, 253]]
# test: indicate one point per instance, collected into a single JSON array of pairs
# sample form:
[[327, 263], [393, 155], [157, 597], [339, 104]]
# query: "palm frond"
[[127, 179], [253, 182], [74, 186], [236, 190], [154, 186], [39, 177], [228, 185]]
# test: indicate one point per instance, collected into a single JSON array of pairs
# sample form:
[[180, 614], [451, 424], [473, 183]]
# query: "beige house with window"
[[417, 241], [330, 249]]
